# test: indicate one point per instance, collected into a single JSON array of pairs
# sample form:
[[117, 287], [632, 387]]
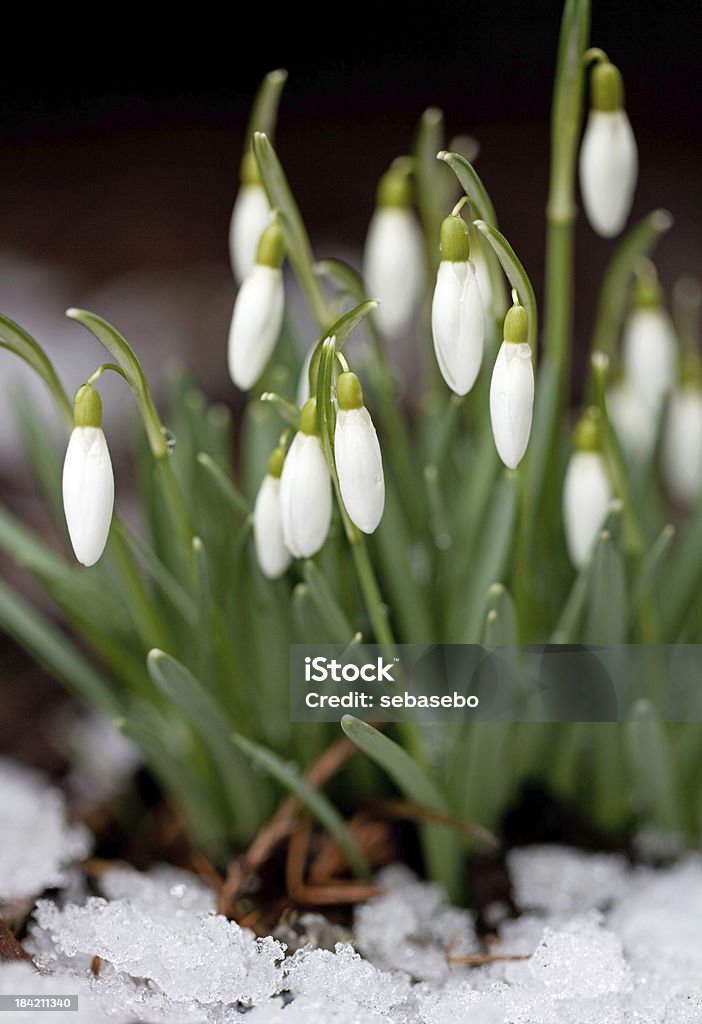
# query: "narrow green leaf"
[[518, 277], [297, 241], [500, 629], [349, 321], [315, 802], [42, 454], [441, 844], [55, 651], [225, 485], [646, 581], [284, 407], [615, 292], [607, 605], [337, 627], [17, 340], [171, 588], [433, 183], [247, 800], [652, 768], [264, 112]]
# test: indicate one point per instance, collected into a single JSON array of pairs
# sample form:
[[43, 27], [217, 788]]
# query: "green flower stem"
[[518, 277], [17, 340], [615, 293], [561, 208], [144, 610]]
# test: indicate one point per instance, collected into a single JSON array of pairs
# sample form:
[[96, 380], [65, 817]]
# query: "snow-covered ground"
[[602, 942]]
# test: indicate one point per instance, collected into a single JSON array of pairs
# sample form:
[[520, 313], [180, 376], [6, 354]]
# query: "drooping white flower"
[[649, 352], [258, 312], [681, 456], [633, 422], [587, 492], [271, 553], [88, 482], [512, 390], [457, 314], [359, 463], [393, 260], [250, 218], [608, 155], [305, 489]]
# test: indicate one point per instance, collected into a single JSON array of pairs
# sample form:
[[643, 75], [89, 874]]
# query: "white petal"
[[272, 555], [394, 267], [305, 496], [586, 497], [633, 420], [512, 401], [608, 170], [649, 355], [458, 325], [360, 468], [250, 218], [88, 492], [681, 464], [256, 324]]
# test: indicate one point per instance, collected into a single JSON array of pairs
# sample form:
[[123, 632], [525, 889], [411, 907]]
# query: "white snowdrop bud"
[[608, 155], [258, 312], [88, 483], [649, 346], [250, 218], [359, 463], [633, 422], [271, 553], [587, 492], [681, 454], [393, 260], [305, 489], [457, 314], [512, 390]]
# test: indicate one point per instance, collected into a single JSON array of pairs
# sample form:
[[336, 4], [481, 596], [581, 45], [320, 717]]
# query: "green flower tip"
[[308, 417], [516, 325], [87, 407], [455, 240], [249, 174], [276, 460], [271, 248], [395, 189], [607, 87], [648, 293], [349, 393], [588, 434]]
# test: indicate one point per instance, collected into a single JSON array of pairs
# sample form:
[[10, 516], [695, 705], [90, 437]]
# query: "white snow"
[[38, 843], [603, 942]]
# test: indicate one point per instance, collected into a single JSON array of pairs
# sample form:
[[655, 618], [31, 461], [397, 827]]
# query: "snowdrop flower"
[[457, 314], [250, 218], [632, 420], [359, 463], [681, 454], [88, 483], [649, 346], [305, 489], [608, 155], [258, 312], [587, 492], [512, 390], [271, 553], [393, 260]]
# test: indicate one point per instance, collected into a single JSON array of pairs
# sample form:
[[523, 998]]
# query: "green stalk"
[[561, 208]]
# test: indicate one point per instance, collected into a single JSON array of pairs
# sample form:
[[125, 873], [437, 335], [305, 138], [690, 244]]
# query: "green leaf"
[[284, 407], [337, 627], [652, 768], [42, 454], [297, 241], [646, 581], [349, 321], [315, 802], [123, 353], [433, 183], [170, 587], [247, 800], [224, 484], [615, 292], [607, 605], [264, 112], [518, 277], [500, 629], [441, 844], [55, 651], [17, 340]]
